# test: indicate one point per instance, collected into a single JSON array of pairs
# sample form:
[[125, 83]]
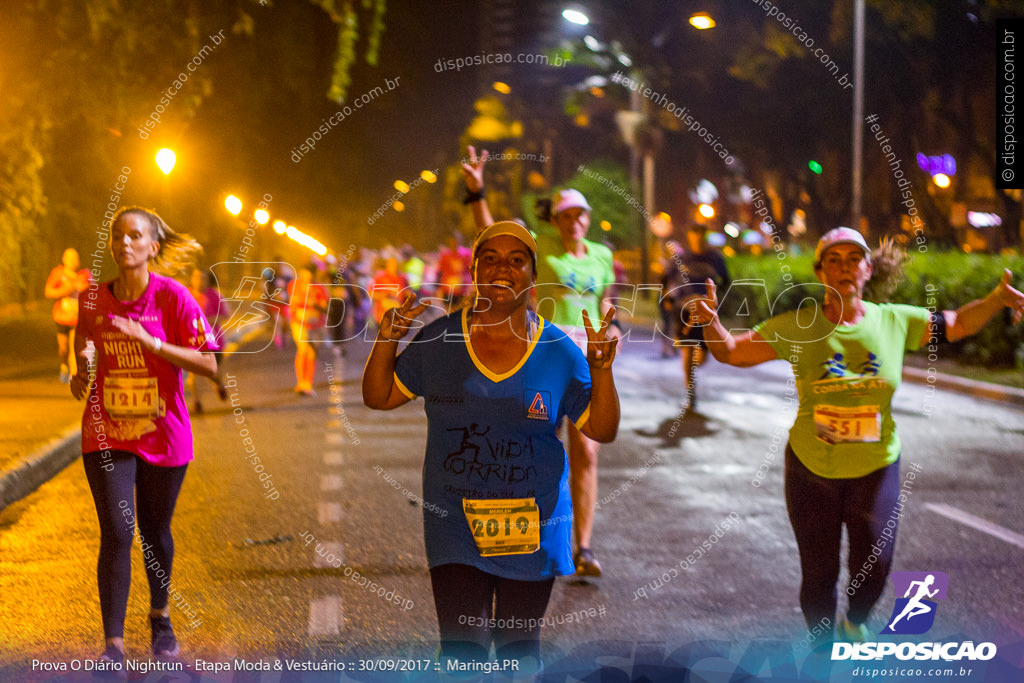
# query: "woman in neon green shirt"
[[842, 459]]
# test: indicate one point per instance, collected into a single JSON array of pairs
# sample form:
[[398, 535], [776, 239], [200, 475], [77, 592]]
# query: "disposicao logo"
[[914, 613]]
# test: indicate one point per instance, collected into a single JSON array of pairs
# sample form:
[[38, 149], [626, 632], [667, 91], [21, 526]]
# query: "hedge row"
[[945, 280]]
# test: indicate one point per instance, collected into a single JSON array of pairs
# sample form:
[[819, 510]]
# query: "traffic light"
[[814, 166]]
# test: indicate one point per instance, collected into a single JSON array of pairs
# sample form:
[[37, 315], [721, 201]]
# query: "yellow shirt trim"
[[493, 376], [403, 388], [584, 417]]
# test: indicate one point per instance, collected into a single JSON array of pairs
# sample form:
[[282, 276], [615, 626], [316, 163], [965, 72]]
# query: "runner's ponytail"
[[888, 262]]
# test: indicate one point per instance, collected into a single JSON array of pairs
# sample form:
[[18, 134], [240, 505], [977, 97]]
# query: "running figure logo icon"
[[914, 613]]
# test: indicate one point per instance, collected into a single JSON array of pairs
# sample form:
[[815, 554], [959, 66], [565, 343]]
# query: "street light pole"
[[858, 111]]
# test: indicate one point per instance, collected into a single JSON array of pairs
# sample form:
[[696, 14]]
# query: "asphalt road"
[[316, 552]]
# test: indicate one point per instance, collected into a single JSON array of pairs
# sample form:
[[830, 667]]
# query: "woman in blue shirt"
[[496, 380]]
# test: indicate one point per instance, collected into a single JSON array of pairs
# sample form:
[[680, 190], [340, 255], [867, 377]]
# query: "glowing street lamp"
[[401, 186], [261, 216], [941, 179], [233, 204], [575, 17], [165, 159], [702, 21], [661, 225], [398, 206], [280, 227], [706, 210], [429, 176], [503, 88]]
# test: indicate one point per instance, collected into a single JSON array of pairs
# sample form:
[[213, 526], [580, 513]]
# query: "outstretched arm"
[[380, 390], [473, 173], [603, 424], [971, 317], [742, 350]]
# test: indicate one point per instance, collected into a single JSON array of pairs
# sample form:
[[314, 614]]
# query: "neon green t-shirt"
[[567, 285], [845, 379]]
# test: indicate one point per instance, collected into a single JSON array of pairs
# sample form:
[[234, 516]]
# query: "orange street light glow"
[[429, 176], [503, 88], [261, 216], [280, 227], [306, 240], [702, 21], [401, 186], [706, 210], [233, 204], [166, 159], [941, 179]]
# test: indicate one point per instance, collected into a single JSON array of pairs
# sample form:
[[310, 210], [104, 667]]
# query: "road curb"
[[962, 385], [41, 466]]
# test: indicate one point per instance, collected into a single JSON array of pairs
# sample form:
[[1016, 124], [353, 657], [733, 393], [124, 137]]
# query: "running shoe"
[[111, 665], [164, 643], [586, 563], [852, 633]]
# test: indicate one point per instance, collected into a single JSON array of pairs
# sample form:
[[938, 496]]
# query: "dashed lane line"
[[967, 519], [329, 513], [326, 617]]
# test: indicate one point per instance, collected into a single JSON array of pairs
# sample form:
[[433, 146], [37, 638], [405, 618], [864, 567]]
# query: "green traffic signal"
[[814, 166]]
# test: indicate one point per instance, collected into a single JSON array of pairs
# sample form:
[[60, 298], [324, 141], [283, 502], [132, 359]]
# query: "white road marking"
[[330, 482], [326, 616], [967, 519], [329, 513], [332, 458], [320, 559]]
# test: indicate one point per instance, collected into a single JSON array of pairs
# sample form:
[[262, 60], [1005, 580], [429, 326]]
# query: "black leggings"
[[117, 482], [474, 608], [818, 509]]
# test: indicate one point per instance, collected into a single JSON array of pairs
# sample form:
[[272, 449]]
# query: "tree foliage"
[[82, 79]]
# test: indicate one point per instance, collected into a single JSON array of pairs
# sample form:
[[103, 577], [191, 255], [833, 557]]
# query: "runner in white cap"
[[842, 459]]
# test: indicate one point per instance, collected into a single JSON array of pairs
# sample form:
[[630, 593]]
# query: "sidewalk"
[[40, 421]]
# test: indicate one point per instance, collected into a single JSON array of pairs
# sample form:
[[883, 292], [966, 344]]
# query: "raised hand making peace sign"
[[473, 172], [600, 347], [397, 322]]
